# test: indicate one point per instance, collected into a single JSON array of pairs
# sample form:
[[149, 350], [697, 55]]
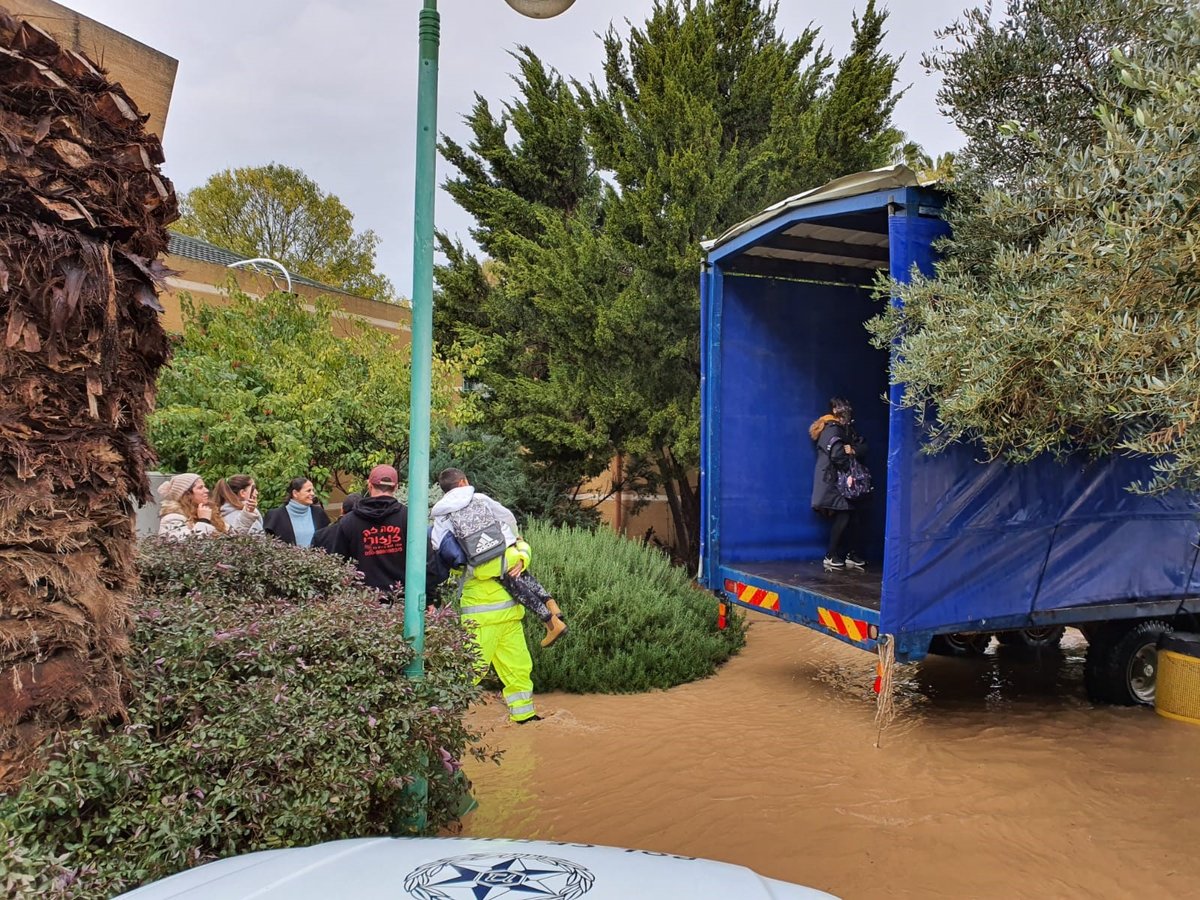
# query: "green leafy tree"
[[1044, 67], [279, 212], [278, 390], [848, 127], [529, 199], [1076, 269], [590, 320]]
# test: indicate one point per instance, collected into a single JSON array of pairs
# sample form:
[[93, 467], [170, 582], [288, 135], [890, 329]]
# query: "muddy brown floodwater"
[[996, 779]]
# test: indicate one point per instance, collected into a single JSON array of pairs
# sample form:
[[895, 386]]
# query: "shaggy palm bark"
[[83, 215]]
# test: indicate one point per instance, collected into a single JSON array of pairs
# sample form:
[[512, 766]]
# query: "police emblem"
[[499, 876]]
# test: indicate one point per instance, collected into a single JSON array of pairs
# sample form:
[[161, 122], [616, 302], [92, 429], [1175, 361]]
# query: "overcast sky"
[[329, 86]]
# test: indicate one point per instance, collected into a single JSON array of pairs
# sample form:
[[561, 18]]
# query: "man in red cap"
[[375, 533]]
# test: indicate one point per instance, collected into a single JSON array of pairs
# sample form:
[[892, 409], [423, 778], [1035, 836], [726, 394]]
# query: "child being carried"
[[471, 529]]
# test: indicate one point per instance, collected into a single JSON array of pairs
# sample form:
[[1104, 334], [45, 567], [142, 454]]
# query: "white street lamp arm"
[[267, 261]]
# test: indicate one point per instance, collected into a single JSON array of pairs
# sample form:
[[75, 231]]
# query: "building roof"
[[188, 247]]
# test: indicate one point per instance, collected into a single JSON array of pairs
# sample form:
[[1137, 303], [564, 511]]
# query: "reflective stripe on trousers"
[[487, 607], [520, 704]]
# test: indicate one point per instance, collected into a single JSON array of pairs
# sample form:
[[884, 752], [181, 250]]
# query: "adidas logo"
[[485, 542]]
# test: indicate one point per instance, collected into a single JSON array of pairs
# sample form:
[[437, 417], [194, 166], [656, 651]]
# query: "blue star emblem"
[[500, 876]]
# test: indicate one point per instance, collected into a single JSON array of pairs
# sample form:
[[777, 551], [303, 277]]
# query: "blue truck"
[[959, 549]]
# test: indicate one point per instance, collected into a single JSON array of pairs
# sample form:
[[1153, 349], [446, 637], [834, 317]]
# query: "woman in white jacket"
[[237, 497], [185, 511]]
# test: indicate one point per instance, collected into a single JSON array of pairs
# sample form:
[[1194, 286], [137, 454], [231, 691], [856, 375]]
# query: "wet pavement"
[[996, 778]]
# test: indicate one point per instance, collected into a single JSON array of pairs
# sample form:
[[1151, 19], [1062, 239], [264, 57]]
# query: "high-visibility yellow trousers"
[[502, 645]]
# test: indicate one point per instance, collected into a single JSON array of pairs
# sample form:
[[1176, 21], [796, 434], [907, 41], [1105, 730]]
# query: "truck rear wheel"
[[1122, 665], [1033, 638], [959, 644]]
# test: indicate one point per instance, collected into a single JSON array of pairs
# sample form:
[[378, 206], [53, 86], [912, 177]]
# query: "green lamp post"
[[429, 31], [422, 312]]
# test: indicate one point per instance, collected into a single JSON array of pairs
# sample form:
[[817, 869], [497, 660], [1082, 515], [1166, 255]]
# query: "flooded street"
[[996, 778]]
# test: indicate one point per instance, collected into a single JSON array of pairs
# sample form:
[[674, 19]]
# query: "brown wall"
[[147, 75], [617, 511], [205, 280]]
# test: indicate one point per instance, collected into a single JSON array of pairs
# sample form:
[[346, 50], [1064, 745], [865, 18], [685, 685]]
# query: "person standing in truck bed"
[[837, 443]]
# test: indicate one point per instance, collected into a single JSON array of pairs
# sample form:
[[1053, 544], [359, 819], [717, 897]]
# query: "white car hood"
[[468, 869]]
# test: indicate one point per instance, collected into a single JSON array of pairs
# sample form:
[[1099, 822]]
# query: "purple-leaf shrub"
[[268, 707]]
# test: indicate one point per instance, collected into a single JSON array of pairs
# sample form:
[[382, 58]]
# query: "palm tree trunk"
[[82, 222]]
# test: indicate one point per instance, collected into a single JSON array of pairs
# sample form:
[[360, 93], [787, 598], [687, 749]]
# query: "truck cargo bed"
[[844, 604]]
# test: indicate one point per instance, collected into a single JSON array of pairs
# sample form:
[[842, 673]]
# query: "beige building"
[[147, 75], [203, 270], [647, 518]]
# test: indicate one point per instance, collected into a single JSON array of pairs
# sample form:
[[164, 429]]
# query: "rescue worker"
[[476, 514], [490, 613]]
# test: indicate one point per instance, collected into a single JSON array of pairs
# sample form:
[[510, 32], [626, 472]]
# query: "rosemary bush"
[[636, 621]]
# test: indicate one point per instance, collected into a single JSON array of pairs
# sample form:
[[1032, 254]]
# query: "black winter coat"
[[278, 523], [831, 442]]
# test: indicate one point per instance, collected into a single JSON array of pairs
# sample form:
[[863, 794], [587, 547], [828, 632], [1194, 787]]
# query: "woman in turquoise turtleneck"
[[300, 518]]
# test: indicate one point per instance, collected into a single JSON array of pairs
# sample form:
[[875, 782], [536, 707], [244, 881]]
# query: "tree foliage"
[[928, 168], [276, 389], [501, 468], [591, 201], [1075, 270], [279, 212], [1043, 67]]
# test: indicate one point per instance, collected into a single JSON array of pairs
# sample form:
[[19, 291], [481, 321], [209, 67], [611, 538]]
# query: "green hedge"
[[636, 621], [269, 708]]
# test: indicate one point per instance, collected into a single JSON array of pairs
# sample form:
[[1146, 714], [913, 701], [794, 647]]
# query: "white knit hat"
[[177, 485]]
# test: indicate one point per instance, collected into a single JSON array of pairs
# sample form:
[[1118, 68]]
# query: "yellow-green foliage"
[[275, 389]]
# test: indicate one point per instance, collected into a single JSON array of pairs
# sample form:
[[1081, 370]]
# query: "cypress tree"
[[589, 332]]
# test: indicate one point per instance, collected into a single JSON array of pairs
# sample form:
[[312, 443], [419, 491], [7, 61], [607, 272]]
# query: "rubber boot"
[[555, 627]]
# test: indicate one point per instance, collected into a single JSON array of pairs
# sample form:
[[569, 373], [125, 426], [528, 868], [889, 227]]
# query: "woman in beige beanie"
[[185, 510]]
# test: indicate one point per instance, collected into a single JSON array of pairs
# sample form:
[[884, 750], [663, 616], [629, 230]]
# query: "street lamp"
[[429, 29], [540, 9], [264, 261]]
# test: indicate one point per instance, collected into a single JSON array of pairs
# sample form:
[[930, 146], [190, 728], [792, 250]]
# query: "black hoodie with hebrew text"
[[375, 535]]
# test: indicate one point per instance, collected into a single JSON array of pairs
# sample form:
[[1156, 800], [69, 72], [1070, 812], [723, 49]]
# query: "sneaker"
[[855, 562], [831, 563]]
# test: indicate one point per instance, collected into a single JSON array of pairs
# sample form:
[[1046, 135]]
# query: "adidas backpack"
[[478, 531]]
